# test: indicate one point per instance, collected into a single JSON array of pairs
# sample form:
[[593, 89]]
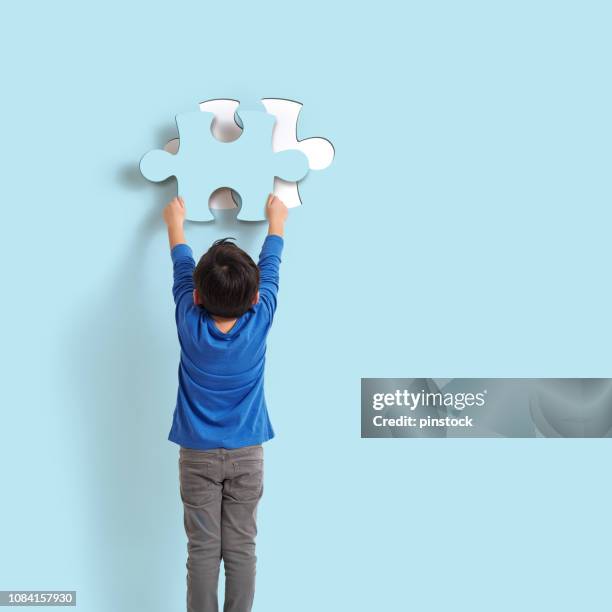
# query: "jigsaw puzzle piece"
[[250, 166], [227, 127]]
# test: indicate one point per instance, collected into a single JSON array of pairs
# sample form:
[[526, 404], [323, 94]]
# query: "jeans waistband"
[[254, 451]]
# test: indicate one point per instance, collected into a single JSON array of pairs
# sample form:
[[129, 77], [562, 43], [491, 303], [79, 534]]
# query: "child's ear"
[[196, 300], [256, 298]]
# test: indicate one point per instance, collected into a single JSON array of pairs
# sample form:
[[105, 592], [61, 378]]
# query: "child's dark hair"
[[226, 279]]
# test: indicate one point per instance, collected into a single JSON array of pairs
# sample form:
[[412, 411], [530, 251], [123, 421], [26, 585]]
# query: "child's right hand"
[[174, 212], [277, 213]]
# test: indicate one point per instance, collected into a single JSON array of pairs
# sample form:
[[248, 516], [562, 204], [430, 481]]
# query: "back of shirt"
[[220, 401]]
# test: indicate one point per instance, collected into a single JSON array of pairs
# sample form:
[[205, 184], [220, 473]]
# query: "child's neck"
[[223, 324]]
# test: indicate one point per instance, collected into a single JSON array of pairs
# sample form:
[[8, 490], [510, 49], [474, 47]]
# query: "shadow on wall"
[[124, 351]]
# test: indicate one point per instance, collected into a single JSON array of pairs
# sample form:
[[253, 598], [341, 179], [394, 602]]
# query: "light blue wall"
[[463, 230]]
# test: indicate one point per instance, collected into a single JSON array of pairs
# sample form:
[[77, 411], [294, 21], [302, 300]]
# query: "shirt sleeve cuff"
[[181, 250]]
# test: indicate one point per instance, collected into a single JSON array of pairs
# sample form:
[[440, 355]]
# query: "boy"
[[224, 309]]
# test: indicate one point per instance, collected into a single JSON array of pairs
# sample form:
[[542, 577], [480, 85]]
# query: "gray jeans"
[[220, 489]]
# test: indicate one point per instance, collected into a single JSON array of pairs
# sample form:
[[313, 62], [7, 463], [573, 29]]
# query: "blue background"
[[463, 230]]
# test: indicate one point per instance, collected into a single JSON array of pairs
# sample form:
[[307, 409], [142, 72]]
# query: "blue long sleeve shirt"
[[220, 401]]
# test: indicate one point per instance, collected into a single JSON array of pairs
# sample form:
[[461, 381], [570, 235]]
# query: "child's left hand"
[[174, 212]]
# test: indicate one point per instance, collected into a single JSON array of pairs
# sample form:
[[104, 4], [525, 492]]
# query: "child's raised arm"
[[277, 212], [182, 257], [174, 216], [270, 256]]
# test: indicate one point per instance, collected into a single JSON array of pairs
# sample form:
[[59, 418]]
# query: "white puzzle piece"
[[319, 151]]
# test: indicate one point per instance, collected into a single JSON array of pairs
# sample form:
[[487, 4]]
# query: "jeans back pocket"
[[196, 482], [247, 479]]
